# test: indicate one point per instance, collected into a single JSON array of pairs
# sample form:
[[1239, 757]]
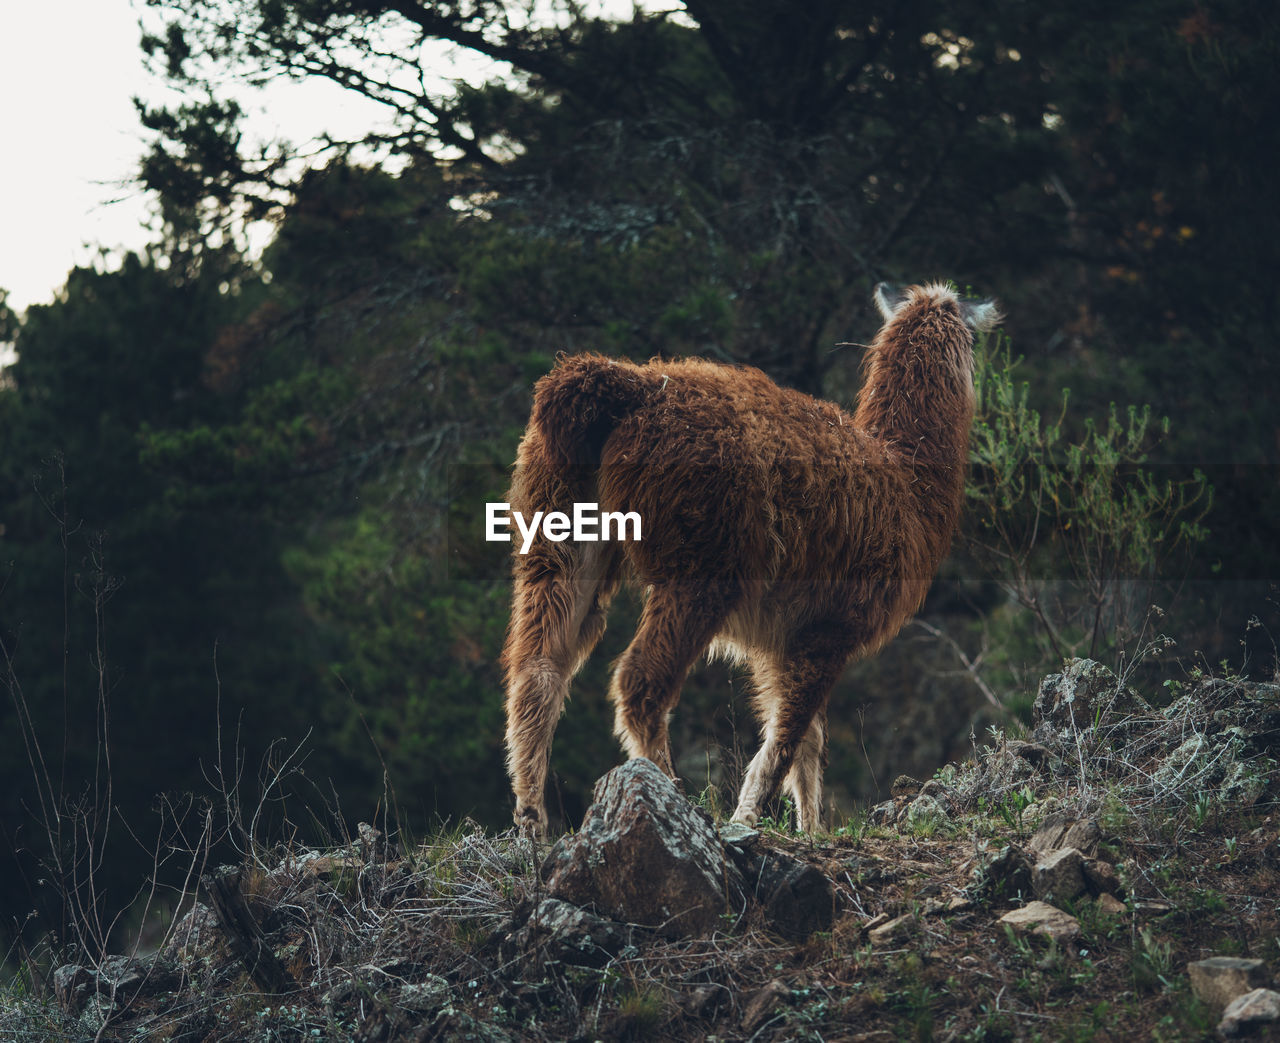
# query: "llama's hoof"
[[532, 822]]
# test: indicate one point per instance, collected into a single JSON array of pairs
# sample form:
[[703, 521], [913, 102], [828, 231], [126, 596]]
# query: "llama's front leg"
[[675, 628]]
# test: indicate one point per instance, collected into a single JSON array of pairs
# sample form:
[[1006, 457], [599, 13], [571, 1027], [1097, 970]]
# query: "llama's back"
[[739, 479], [738, 482]]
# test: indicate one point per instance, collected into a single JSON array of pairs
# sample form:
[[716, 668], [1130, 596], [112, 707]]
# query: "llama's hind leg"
[[804, 780], [675, 628], [792, 700], [558, 616]]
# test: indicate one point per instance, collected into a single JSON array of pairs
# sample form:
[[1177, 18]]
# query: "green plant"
[[1201, 808], [1152, 961], [1011, 806], [1088, 508], [784, 821], [640, 1013]]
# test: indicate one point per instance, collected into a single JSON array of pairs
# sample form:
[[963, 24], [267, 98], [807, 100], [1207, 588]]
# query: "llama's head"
[[894, 300], [918, 372]]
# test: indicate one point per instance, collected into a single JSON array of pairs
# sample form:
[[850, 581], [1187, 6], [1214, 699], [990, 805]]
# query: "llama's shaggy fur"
[[778, 530]]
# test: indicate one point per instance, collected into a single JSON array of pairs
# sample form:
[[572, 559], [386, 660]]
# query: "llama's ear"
[[888, 299], [981, 315]]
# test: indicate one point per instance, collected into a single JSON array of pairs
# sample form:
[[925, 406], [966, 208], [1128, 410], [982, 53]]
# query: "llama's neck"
[[917, 400], [920, 412]]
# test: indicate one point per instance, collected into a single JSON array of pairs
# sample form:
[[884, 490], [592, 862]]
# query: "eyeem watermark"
[[587, 525]]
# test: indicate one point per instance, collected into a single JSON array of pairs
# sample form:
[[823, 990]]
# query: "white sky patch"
[[72, 141]]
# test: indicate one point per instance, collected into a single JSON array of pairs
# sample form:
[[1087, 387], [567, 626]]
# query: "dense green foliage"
[[252, 491]]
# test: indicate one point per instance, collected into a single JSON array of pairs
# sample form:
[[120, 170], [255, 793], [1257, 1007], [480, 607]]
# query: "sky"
[[70, 140]]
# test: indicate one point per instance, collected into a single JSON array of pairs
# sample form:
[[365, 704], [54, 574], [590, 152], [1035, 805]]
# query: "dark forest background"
[[240, 497]]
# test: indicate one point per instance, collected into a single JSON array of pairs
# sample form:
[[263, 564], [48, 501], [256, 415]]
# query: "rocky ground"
[[1113, 874]]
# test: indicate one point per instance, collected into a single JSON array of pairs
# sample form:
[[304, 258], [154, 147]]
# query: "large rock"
[[1072, 701], [646, 856]]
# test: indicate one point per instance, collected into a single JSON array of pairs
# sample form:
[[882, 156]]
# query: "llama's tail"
[[577, 405], [561, 589]]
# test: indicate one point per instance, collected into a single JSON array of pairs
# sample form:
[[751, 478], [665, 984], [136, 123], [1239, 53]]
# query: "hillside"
[[1057, 885]]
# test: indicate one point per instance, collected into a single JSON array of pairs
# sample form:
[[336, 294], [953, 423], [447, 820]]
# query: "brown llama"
[[778, 531]]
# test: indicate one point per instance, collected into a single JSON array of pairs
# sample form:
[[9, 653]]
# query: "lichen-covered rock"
[[646, 856], [565, 933], [1073, 700], [71, 984], [117, 979], [883, 814], [926, 812], [197, 928]]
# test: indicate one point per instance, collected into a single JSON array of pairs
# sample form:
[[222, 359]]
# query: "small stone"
[[1045, 919], [70, 983], [705, 1001], [926, 812], [874, 922], [883, 814], [1059, 875], [761, 1004], [1111, 905], [1220, 979], [1249, 1012], [424, 996], [1058, 831], [904, 786], [897, 930], [372, 843], [1101, 877], [1033, 753], [738, 835], [1006, 877]]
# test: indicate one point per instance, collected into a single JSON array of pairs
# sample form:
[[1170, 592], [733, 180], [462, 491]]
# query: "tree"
[[130, 619]]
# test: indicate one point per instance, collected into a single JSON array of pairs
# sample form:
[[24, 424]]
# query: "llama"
[[779, 531]]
